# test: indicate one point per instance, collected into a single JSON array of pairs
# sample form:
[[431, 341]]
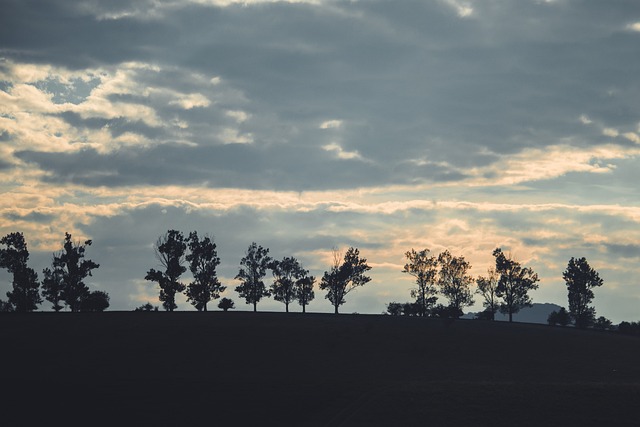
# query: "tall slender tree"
[[455, 282], [581, 279], [25, 295], [71, 266], [52, 286], [514, 284], [203, 260], [285, 275], [170, 251], [345, 276], [303, 290], [487, 287], [423, 267], [253, 268]]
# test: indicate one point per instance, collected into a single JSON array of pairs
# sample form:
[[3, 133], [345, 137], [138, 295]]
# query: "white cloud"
[[331, 124], [610, 132], [233, 136], [462, 8], [633, 137], [238, 115], [192, 100], [585, 119], [341, 153], [634, 26]]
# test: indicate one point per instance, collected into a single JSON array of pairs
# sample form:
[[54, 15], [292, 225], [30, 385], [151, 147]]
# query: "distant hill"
[[536, 314]]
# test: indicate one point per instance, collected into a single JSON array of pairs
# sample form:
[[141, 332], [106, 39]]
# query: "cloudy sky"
[[307, 125]]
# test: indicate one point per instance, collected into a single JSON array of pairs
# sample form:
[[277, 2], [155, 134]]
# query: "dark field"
[[188, 368]]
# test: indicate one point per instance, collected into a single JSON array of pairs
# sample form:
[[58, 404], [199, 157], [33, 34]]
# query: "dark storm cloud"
[[37, 217], [412, 80], [232, 165], [116, 126]]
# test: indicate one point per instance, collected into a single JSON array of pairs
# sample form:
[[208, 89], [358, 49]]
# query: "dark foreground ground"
[[186, 368]]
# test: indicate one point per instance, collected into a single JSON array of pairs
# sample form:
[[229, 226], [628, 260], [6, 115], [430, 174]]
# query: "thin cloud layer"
[[312, 124]]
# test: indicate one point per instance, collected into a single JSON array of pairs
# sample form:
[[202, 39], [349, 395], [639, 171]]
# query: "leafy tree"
[[581, 279], [487, 287], [5, 307], [146, 307], [25, 295], [602, 324], [203, 260], [70, 266], [226, 304], [253, 268], [344, 276], [303, 290], [455, 282], [394, 309], [286, 273], [514, 284], [52, 286], [170, 251], [95, 301], [423, 267], [560, 317]]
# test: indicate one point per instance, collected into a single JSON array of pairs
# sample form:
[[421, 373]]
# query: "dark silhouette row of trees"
[[504, 288], [291, 282], [62, 283]]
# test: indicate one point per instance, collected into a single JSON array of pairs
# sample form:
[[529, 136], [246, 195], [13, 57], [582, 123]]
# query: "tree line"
[[505, 288], [62, 283], [291, 282]]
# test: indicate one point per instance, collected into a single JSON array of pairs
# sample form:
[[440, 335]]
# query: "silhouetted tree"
[[487, 287], [25, 295], [344, 276], [423, 267], [70, 265], [629, 328], [581, 279], [454, 282], [5, 307], [514, 284], [253, 267], [203, 260], [52, 286], [226, 304], [560, 317], [394, 309], [303, 290], [285, 275], [170, 251], [146, 307], [95, 301], [602, 324]]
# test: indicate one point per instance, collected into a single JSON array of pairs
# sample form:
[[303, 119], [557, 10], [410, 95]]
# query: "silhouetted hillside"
[[538, 313], [241, 368]]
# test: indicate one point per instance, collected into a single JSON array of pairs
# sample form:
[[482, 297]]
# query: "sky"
[[308, 125]]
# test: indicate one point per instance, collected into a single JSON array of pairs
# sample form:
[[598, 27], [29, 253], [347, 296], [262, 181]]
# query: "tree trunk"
[[303, 308], [205, 307], [286, 307], [255, 308], [510, 317], [336, 308]]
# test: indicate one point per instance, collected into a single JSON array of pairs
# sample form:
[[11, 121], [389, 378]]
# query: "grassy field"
[[242, 368]]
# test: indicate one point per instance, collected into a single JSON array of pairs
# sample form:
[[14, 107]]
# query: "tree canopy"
[[344, 276], [514, 284], [580, 279], [25, 295], [253, 268], [203, 260], [424, 267], [170, 251]]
